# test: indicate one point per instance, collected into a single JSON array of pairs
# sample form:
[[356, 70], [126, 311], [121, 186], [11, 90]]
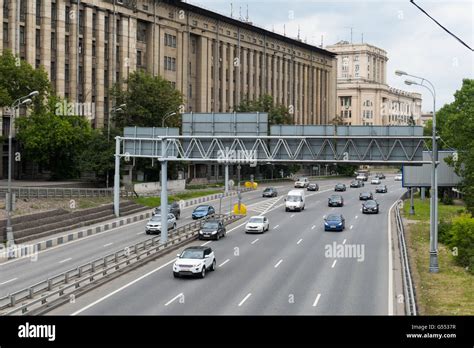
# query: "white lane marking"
[[276, 227], [315, 303], [334, 264], [313, 227], [66, 260], [299, 241], [223, 263], [390, 267], [121, 288], [139, 233], [8, 281], [278, 263], [203, 244], [292, 215], [344, 241], [245, 299], [255, 241], [352, 226], [324, 216], [357, 216], [173, 299], [108, 244]]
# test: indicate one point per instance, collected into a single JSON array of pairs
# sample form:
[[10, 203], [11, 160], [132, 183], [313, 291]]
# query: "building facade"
[[85, 46], [364, 98]]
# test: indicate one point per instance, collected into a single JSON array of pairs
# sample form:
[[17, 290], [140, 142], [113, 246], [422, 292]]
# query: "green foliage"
[[444, 232], [462, 232], [346, 169], [155, 201], [277, 113], [18, 79], [54, 141], [148, 98], [455, 124]]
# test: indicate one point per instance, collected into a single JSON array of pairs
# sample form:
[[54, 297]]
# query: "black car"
[[212, 229], [357, 183], [381, 189], [365, 196], [370, 207], [173, 208], [270, 192], [313, 187], [203, 211], [334, 222], [381, 176], [340, 187], [335, 201]]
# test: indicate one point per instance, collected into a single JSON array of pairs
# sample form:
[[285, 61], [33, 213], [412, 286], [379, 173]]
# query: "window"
[[171, 15], [195, 23], [54, 16], [68, 17], [53, 41], [53, 70], [22, 35], [170, 40], [5, 32], [66, 72], [38, 12], [38, 39], [170, 63], [141, 32], [190, 90], [357, 67], [5, 9], [66, 43], [94, 24], [93, 49], [193, 45], [22, 10], [139, 58], [81, 21], [106, 28], [356, 58]]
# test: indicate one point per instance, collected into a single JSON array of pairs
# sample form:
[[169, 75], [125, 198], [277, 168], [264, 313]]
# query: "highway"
[[284, 271], [21, 273]]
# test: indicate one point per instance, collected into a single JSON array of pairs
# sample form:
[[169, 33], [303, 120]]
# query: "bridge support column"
[[226, 180], [412, 202], [117, 178], [423, 193], [164, 194]]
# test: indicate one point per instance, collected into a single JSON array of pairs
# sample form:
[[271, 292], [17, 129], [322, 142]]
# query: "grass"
[[449, 292], [156, 201]]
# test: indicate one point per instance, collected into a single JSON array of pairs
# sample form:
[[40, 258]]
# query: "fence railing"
[[64, 285], [408, 286], [62, 192]]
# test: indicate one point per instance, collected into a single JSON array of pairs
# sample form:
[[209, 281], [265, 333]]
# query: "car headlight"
[[339, 224], [326, 223], [200, 231], [214, 232]]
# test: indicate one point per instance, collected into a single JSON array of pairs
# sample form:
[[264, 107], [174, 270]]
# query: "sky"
[[414, 43]]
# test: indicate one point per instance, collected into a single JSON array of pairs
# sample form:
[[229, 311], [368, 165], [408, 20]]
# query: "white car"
[[302, 183], [257, 224], [398, 177], [154, 224], [194, 261], [375, 181], [361, 177]]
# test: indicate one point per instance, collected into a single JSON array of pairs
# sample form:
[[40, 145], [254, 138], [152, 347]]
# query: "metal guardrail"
[[408, 287], [62, 192], [65, 284]]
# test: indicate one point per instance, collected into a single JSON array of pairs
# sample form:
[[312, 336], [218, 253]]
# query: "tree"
[[53, 140], [277, 113], [148, 98], [18, 79], [455, 122]]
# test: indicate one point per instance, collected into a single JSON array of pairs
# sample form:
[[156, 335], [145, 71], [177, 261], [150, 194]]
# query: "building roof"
[[245, 25]]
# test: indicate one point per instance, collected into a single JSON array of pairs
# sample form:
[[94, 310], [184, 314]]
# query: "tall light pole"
[[166, 117], [16, 104], [114, 110], [434, 267]]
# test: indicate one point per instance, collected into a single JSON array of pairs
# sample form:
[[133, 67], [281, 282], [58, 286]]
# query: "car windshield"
[[192, 254], [312, 185], [365, 194], [355, 182], [256, 220], [268, 190], [335, 198], [211, 224], [202, 208], [340, 185], [302, 179], [334, 218], [381, 187], [156, 218], [370, 204], [294, 199]]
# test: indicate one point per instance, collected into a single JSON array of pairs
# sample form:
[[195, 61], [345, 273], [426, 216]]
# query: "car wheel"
[[174, 226], [147, 232], [203, 272], [286, 209], [218, 236], [213, 266]]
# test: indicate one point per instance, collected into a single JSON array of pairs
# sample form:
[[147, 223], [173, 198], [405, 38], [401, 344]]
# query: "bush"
[[444, 232], [462, 238]]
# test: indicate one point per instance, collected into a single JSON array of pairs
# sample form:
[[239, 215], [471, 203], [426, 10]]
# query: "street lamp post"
[[166, 117], [434, 267], [20, 101]]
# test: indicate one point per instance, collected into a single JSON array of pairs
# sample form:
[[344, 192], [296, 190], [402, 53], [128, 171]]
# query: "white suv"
[[194, 261], [257, 224], [154, 224], [302, 183]]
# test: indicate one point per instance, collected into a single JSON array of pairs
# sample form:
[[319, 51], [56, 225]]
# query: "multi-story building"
[[86, 46], [425, 117], [364, 98]]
